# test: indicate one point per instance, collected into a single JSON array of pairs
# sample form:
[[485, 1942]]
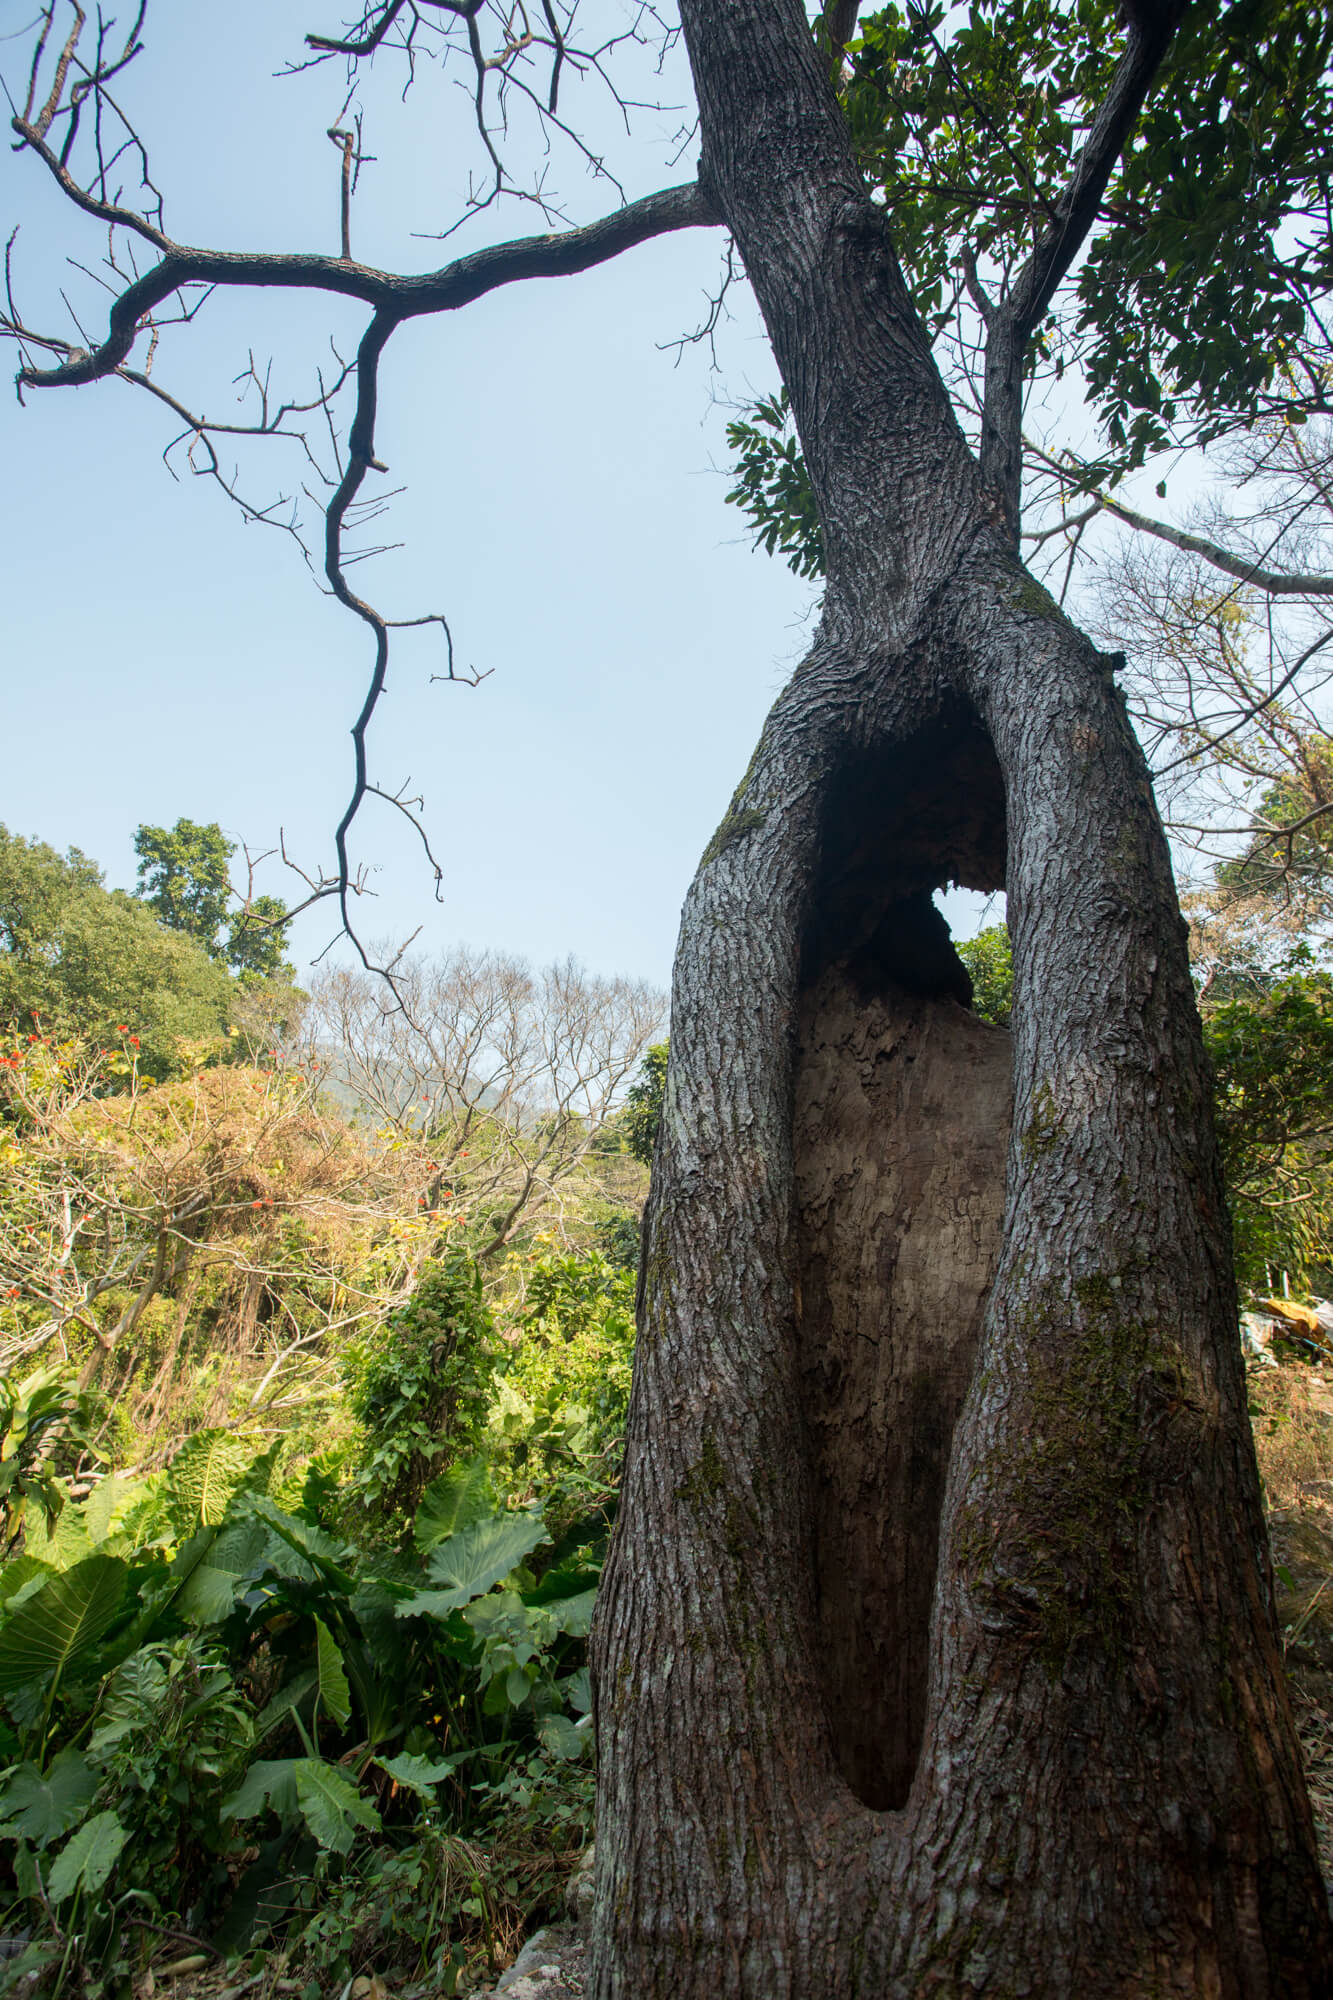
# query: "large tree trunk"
[[936, 1652]]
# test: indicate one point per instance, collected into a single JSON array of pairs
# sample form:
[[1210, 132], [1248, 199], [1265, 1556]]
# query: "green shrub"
[[563, 1397], [421, 1384]]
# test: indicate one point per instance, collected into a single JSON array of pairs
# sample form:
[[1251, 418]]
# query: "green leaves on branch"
[[39, 1808], [773, 488], [1215, 245], [1208, 259]]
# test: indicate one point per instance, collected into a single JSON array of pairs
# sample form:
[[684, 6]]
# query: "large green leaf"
[[66, 1616], [210, 1593], [87, 1858], [24, 1573], [472, 1561], [109, 1500], [577, 1690], [420, 1774], [206, 1471], [333, 1689], [41, 1808], [154, 1585], [63, 1545], [270, 1782], [331, 1805], [284, 1701], [316, 1554], [457, 1499], [574, 1614], [373, 1606], [561, 1738]]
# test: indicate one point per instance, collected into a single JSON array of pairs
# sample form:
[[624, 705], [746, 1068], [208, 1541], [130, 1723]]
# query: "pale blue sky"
[[565, 508]]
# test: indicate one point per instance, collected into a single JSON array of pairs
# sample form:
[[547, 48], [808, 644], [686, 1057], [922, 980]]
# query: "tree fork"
[[936, 1652]]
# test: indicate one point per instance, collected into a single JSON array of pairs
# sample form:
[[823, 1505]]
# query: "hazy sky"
[[564, 507]]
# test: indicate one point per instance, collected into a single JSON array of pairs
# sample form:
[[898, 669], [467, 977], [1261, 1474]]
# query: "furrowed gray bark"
[[936, 1652]]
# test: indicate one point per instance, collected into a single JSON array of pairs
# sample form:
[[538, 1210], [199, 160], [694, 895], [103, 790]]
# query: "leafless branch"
[[172, 289]]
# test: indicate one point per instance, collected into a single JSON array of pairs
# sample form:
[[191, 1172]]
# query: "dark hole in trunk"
[[902, 1110]]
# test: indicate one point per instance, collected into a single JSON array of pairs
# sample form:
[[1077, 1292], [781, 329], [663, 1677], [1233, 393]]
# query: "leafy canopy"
[[1206, 266]]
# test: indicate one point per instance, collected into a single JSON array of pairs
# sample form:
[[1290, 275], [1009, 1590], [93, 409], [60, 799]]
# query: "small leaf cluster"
[[773, 488]]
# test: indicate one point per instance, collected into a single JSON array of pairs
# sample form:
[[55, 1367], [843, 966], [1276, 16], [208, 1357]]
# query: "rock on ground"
[[552, 1965]]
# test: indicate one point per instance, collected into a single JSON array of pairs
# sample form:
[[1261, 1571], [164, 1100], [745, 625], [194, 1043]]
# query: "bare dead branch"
[[395, 297]]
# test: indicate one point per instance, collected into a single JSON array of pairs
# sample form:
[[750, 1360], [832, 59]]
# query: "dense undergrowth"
[[333, 1705], [310, 1422]]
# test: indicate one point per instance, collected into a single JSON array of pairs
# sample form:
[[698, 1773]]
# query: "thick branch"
[[367, 43], [1274, 583], [1075, 211], [400, 297], [839, 23]]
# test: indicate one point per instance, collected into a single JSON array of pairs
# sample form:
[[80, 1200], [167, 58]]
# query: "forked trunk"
[[936, 1653]]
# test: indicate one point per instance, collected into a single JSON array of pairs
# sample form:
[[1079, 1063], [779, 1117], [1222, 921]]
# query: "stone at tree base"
[[579, 1888], [553, 1965]]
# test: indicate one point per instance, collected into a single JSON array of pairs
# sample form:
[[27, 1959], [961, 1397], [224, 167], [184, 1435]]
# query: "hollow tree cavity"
[[900, 1127]]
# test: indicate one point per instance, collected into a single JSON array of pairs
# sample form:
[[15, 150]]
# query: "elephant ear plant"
[[189, 1667]]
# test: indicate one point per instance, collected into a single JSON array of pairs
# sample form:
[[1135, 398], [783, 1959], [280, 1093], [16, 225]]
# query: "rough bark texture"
[[936, 1653]]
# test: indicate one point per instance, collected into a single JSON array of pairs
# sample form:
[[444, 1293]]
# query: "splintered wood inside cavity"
[[902, 1111]]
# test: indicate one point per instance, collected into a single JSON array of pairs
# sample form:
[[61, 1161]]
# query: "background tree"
[[510, 1082], [1267, 1007], [79, 959], [990, 966], [256, 939], [184, 875], [643, 1103], [931, 1535]]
